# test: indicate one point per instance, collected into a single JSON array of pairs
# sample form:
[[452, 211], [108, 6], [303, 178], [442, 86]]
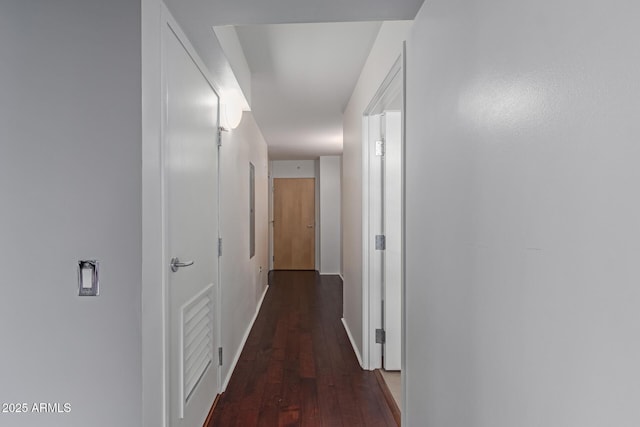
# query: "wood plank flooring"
[[297, 367]]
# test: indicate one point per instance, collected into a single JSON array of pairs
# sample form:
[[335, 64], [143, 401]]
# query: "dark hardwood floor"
[[298, 367]]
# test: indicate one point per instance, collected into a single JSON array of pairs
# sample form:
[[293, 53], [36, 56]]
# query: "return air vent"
[[197, 341]]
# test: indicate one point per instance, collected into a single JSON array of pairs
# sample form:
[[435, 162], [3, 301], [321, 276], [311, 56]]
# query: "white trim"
[[166, 327], [154, 380], [403, 370], [317, 219], [243, 342], [384, 86], [270, 212], [353, 343], [169, 20], [366, 304]]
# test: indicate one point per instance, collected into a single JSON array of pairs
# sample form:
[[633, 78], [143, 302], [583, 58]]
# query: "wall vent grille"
[[197, 341]]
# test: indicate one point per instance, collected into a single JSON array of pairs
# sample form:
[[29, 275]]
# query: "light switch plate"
[[88, 283]]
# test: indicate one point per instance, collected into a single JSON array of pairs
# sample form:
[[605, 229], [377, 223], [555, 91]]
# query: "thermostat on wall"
[[88, 278]]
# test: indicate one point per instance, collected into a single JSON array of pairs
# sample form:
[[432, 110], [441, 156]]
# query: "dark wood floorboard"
[[297, 367]]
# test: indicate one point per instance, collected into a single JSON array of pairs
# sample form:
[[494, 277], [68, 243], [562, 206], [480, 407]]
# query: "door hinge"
[[219, 246], [381, 336], [220, 130], [381, 242], [380, 147], [219, 356]]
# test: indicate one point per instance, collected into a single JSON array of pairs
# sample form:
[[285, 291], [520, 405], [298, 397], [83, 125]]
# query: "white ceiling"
[[302, 78], [303, 75], [254, 12]]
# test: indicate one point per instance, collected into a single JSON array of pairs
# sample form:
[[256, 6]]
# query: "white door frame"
[[371, 291], [155, 304], [154, 362]]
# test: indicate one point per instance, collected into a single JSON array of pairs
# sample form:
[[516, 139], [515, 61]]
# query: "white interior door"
[[385, 219], [391, 129], [383, 216], [191, 206], [375, 228]]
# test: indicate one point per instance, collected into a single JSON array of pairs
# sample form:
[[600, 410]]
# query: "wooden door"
[[294, 224]]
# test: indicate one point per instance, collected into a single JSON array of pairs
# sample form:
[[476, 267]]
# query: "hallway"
[[298, 366]]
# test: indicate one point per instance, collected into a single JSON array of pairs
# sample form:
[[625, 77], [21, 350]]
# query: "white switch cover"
[[88, 277]]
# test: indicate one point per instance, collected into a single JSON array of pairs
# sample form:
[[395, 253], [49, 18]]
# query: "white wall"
[[70, 166], [243, 280], [232, 48], [298, 169], [522, 215], [293, 168], [330, 214], [385, 51], [197, 18]]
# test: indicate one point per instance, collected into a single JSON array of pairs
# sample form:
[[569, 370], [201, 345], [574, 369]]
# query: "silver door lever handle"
[[176, 264]]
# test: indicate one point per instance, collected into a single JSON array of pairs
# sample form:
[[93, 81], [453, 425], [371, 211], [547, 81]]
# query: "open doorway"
[[383, 230]]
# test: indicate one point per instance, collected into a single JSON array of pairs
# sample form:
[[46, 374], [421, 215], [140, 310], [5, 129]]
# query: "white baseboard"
[[340, 274], [353, 343], [243, 342]]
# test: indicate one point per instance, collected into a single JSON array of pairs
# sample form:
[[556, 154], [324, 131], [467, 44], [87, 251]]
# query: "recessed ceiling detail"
[[305, 57], [302, 78]]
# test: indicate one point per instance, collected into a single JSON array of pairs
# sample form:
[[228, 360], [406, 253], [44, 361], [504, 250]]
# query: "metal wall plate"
[[88, 279]]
